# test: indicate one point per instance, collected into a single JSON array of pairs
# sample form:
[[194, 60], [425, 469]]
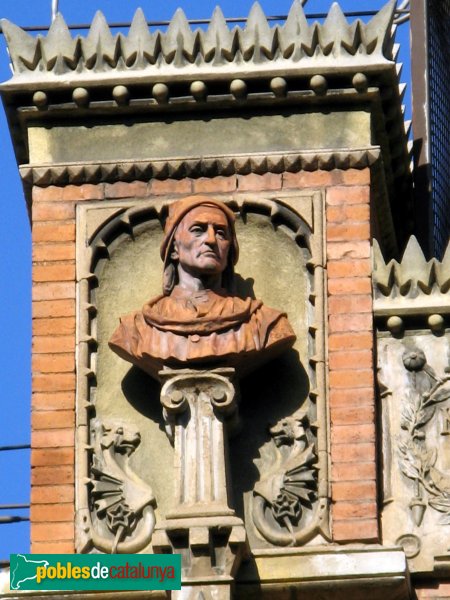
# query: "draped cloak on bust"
[[204, 329]]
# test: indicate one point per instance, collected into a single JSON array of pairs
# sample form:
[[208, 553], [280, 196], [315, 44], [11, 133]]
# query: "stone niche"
[[118, 269]]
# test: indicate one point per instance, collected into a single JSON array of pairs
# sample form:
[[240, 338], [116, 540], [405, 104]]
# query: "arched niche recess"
[[119, 268]]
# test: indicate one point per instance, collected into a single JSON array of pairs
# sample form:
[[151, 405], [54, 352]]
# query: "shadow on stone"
[[143, 392], [269, 394]]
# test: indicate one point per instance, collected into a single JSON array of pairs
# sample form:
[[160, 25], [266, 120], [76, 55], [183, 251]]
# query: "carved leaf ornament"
[[417, 459]]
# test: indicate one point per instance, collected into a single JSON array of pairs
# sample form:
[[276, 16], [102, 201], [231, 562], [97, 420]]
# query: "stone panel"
[[214, 134], [415, 396]]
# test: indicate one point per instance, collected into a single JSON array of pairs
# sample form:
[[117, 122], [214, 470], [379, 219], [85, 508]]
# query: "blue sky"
[[15, 240]]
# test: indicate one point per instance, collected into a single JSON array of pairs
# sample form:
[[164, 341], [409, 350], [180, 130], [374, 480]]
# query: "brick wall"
[[53, 364], [350, 343], [351, 363]]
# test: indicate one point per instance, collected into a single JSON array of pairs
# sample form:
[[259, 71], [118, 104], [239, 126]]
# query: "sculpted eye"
[[196, 229], [222, 234]]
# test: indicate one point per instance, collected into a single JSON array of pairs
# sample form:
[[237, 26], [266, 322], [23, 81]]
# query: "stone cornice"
[[60, 60], [412, 287], [148, 76], [58, 78], [206, 166]]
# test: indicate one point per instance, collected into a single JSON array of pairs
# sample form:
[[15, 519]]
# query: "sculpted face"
[[202, 241]]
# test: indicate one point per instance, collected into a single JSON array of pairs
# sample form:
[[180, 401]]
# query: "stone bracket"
[[212, 550]]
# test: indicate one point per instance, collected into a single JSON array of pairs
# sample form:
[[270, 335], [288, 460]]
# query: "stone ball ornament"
[[436, 323], [160, 92], [198, 321], [319, 85], [40, 99], [199, 90], [395, 324], [121, 95], [278, 85], [81, 96], [360, 82], [238, 88]]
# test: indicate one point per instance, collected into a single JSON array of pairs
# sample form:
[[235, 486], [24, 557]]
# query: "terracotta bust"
[[198, 322]]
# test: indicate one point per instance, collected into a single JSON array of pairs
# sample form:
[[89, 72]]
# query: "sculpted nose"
[[210, 235]]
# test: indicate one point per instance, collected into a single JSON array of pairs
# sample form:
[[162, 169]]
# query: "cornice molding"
[[411, 287], [258, 67], [60, 59], [207, 166]]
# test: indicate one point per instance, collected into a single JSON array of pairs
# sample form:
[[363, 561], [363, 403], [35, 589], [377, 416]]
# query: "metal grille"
[[439, 115]]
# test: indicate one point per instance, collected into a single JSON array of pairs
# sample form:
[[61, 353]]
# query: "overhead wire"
[[6, 519], [402, 15]]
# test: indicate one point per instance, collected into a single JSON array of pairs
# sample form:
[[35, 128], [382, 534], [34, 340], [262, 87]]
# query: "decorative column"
[[200, 409]]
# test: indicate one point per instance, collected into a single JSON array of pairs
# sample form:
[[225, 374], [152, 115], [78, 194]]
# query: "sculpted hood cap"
[[179, 209]]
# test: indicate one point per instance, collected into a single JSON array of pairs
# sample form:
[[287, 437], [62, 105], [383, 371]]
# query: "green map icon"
[[24, 570]]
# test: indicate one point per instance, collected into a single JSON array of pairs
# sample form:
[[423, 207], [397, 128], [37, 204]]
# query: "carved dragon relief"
[[286, 496], [121, 503], [417, 455]]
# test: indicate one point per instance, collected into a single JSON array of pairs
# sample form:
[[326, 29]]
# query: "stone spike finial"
[[257, 37], [334, 30], [379, 35], [355, 42], [402, 91], [295, 32], [59, 44], [24, 49], [443, 271], [408, 125], [395, 51], [179, 40], [383, 273], [413, 270], [139, 45], [217, 42], [100, 45]]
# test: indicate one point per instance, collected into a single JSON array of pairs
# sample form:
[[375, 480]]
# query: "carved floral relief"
[[414, 382], [417, 456]]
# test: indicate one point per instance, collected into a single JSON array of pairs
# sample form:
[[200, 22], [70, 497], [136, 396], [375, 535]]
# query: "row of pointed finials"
[[413, 274], [257, 41]]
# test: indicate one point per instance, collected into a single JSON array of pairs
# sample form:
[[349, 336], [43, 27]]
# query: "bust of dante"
[[198, 322]]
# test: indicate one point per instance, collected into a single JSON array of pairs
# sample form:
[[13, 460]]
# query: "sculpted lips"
[[209, 253]]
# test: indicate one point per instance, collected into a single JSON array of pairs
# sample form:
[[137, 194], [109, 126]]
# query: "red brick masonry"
[[354, 511], [351, 370]]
